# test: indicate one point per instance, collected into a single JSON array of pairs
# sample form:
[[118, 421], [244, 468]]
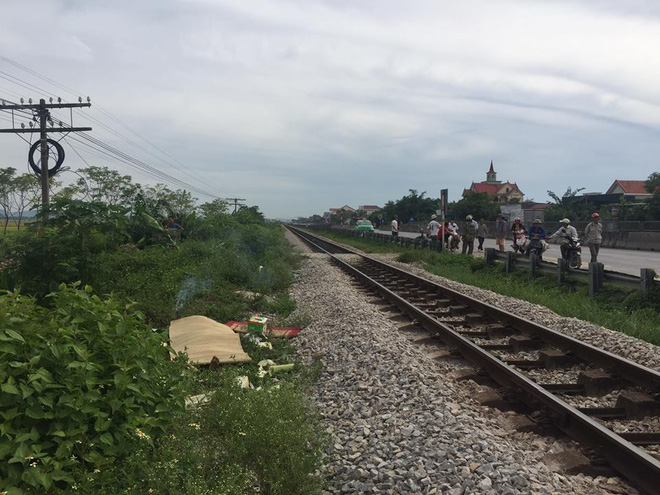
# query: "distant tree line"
[[417, 206]]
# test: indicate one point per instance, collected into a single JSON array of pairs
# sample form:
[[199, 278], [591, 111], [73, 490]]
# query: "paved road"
[[620, 260]]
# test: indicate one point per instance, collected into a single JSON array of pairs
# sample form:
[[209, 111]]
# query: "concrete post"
[[595, 278], [510, 261], [489, 255], [562, 266], [646, 276], [533, 265]]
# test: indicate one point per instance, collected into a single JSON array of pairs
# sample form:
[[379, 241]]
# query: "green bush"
[[201, 277], [82, 385], [273, 432]]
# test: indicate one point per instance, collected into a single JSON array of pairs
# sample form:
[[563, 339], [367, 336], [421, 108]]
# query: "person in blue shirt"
[[537, 232], [173, 228]]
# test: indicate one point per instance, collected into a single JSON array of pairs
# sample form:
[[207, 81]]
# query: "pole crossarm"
[[47, 105], [48, 129]]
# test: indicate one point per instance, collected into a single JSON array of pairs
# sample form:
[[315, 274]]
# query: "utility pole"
[[41, 110], [236, 202]]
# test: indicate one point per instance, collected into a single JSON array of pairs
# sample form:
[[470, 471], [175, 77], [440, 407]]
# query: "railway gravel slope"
[[400, 421]]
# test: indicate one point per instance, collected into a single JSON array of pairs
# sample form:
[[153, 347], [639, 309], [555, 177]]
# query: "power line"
[[126, 159], [42, 110], [120, 156], [106, 149], [108, 115]]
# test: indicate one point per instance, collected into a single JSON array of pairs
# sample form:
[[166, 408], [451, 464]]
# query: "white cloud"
[[310, 101]]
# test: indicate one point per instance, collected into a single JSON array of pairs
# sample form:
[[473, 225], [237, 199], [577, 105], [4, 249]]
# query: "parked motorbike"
[[519, 242], [454, 242], [536, 247], [574, 254]]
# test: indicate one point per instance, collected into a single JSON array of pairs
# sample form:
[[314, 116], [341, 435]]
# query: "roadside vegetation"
[[93, 399], [619, 309]]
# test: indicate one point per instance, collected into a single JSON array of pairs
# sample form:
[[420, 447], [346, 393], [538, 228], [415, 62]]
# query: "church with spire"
[[500, 192]]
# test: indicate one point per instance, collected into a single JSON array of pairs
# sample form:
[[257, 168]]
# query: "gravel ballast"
[[399, 421]]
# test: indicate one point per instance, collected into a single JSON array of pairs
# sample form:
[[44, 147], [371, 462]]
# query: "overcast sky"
[[300, 106]]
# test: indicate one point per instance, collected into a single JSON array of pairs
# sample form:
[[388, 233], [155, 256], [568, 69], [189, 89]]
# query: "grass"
[[267, 438], [370, 246], [620, 309], [263, 439], [12, 228]]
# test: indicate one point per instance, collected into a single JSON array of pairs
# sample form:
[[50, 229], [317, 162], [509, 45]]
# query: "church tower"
[[491, 175]]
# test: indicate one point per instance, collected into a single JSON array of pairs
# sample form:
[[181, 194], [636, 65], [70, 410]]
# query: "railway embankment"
[[403, 422]]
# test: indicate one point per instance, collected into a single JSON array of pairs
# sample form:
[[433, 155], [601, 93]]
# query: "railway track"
[[604, 401]]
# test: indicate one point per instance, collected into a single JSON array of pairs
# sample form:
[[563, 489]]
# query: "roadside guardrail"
[[596, 275]]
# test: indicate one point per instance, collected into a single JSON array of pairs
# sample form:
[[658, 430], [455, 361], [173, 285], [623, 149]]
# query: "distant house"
[[342, 213], [500, 192], [366, 210], [629, 191], [636, 188]]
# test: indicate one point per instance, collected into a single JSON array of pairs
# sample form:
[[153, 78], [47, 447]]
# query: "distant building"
[[636, 188], [500, 192], [366, 210], [629, 191], [344, 213]]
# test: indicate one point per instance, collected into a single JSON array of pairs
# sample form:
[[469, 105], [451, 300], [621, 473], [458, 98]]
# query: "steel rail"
[[639, 467]]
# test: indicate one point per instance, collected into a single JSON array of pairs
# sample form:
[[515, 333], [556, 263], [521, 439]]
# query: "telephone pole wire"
[[42, 110], [236, 202]]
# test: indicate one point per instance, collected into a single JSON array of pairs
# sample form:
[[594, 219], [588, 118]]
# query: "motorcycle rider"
[[454, 237], [518, 233], [566, 233], [537, 232]]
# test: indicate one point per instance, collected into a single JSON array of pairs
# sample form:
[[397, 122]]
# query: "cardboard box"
[[257, 325]]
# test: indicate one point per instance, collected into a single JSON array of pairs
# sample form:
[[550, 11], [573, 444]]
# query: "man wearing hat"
[[565, 233], [536, 231], [433, 227], [470, 232], [593, 235]]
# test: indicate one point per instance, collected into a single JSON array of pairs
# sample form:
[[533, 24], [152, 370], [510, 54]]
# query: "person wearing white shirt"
[[395, 226]]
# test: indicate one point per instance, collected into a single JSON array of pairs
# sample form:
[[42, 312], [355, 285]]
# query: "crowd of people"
[[524, 240]]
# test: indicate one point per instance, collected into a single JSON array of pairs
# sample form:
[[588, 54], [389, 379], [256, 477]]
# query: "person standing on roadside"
[[593, 236], [395, 226], [482, 232], [468, 235], [500, 232], [433, 227]]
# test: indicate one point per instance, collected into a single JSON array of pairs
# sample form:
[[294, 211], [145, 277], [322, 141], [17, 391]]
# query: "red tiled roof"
[[482, 187], [632, 186], [370, 207]]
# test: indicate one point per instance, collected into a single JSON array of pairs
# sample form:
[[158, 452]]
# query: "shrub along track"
[[560, 382]]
